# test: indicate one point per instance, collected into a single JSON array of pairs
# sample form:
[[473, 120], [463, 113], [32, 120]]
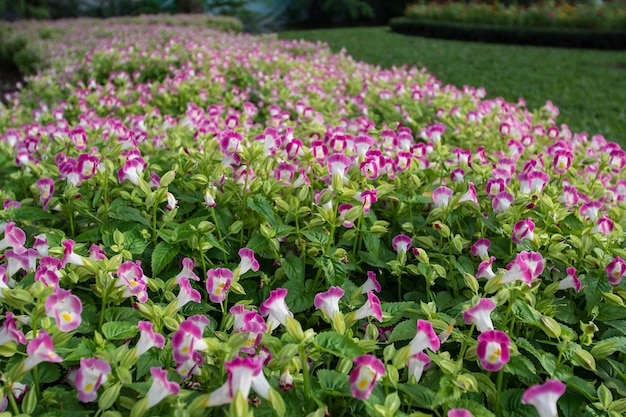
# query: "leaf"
[[148, 360], [129, 214], [524, 368], [396, 311], [48, 372], [162, 255], [333, 382], [91, 235], [125, 314], [298, 298], [526, 313], [294, 268], [339, 345], [447, 392], [618, 324], [258, 203], [134, 242], [580, 385], [476, 409], [404, 331], [593, 287], [30, 214], [607, 312], [372, 259], [419, 394], [546, 359], [571, 404], [319, 238], [117, 330], [84, 349], [511, 404]]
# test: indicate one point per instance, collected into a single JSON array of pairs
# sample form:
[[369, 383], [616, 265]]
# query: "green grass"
[[588, 86]]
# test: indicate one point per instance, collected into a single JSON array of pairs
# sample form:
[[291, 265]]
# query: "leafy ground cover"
[[580, 82], [194, 220]]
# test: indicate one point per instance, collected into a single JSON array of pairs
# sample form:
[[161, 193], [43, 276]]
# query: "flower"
[[604, 225], [424, 338], [248, 262], [40, 244], [187, 271], [328, 301], [218, 282], [14, 237], [368, 198], [343, 209], [65, 308], [46, 190], [191, 366], [371, 284], [254, 325], [364, 376], [480, 314], [518, 270], [544, 397], [132, 170], [470, 194], [481, 248], [562, 161], [338, 165], [148, 338], [186, 293], [276, 308], [186, 340], [459, 412], [523, 229], [40, 349], [96, 252], [501, 202], [9, 331], [401, 243], [417, 364], [442, 195], [615, 270], [243, 374], [131, 277], [90, 376], [160, 387], [570, 281], [69, 257], [370, 308], [484, 269], [493, 350]]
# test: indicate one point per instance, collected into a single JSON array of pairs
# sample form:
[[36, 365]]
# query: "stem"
[[154, 224], [16, 410], [71, 217], [223, 305], [465, 346], [305, 375], [33, 321], [219, 233], [455, 289], [499, 391], [243, 205], [356, 246]]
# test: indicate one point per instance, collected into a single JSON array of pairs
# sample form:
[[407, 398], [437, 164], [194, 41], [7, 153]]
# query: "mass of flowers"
[[197, 221]]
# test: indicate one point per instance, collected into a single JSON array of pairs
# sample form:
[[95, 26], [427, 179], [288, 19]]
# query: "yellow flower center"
[[67, 316], [363, 383], [88, 387]]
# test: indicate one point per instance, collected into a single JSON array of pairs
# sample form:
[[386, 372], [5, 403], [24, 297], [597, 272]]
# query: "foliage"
[[290, 181], [549, 14]]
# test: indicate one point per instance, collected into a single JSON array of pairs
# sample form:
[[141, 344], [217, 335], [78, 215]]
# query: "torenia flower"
[[96, 252], [148, 338], [417, 364], [248, 261], [276, 308], [401, 243], [523, 229], [481, 248], [615, 270], [368, 198], [187, 271], [371, 284], [9, 331], [218, 282], [191, 366], [132, 170], [485, 270], [364, 376], [459, 412], [14, 237], [90, 376], [501, 202], [370, 308], [562, 161], [160, 387], [40, 244], [69, 257], [131, 277], [40, 349], [65, 308], [343, 209], [470, 194], [570, 281], [186, 340], [243, 374], [186, 293], [604, 225], [518, 270], [442, 195], [46, 190], [493, 350], [424, 338], [544, 397], [480, 314], [590, 210], [328, 301]]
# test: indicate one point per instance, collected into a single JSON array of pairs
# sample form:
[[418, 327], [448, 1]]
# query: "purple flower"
[[46, 190], [604, 225], [544, 397], [131, 277], [570, 281], [65, 308], [14, 237], [371, 308], [243, 374], [424, 338], [90, 376], [401, 243], [442, 195], [218, 282], [459, 412], [518, 270], [523, 229], [186, 293], [481, 248], [371, 284], [9, 331], [248, 261], [364, 376], [148, 338], [615, 270], [160, 387], [328, 301], [485, 270], [493, 350], [40, 349], [40, 244], [276, 308], [417, 364], [187, 271], [562, 161], [480, 314], [470, 194], [501, 202], [69, 257]]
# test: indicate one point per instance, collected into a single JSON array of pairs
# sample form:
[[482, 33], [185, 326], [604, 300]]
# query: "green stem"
[[223, 305], [465, 346], [305, 375], [33, 321], [71, 217], [219, 233], [455, 288], [498, 391], [357, 239], [243, 205], [16, 410], [154, 224]]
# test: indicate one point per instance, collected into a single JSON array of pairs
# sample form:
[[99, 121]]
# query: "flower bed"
[[197, 219]]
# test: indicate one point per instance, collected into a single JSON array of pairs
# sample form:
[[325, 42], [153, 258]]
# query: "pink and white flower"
[[570, 281], [364, 376], [544, 397], [65, 308], [9, 331], [40, 349], [481, 248], [493, 350], [187, 271], [424, 338], [523, 229], [615, 270], [371, 284], [275, 308], [130, 276], [148, 338], [243, 374], [218, 282], [69, 257], [480, 315], [186, 293], [160, 387], [442, 195], [14, 237], [90, 376], [401, 243], [248, 261], [417, 364], [485, 270], [371, 308], [328, 301]]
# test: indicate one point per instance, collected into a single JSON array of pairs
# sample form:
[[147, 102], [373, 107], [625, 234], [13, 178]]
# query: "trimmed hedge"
[[567, 38]]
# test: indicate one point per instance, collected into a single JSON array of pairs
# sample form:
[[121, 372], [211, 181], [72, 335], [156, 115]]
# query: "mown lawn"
[[588, 86]]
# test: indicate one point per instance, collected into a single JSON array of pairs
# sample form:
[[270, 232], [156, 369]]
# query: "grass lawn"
[[588, 86]]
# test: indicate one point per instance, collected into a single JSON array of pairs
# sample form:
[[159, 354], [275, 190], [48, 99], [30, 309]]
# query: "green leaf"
[[419, 394], [318, 238], [447, 392], [134, 242], [524, 368], [526, 313], [294, 268], [48, 372], [129, 214], [618, 324], [91, 235], [396, 311], [84, 349], [299, 297], [373, 260], [477, 410], [339, 345], [332, 382], [571, 404], [117, 330], [593, 287], [162, 255], [122, 314], [511, 404], [404, 331], [546, 359], [258, 203], [30, 214]]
